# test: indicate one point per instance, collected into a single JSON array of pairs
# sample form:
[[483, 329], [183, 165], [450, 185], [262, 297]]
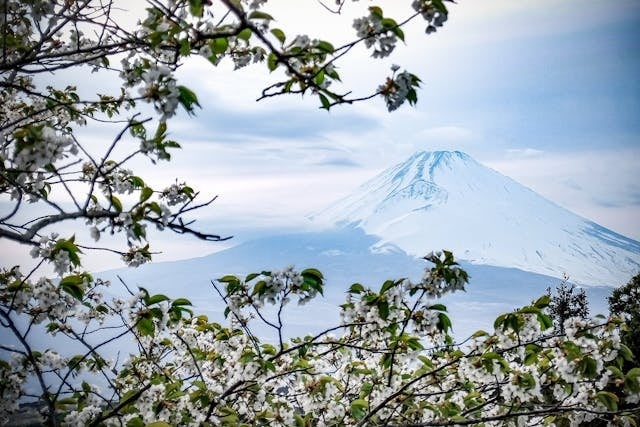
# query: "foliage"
[[389, 360], [567, 302], [625, 303]]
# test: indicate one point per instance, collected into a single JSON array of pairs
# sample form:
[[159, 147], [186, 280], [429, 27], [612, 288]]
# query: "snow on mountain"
[[447, 200]]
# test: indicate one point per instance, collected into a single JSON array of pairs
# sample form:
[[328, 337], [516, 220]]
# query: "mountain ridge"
[[445, 199]]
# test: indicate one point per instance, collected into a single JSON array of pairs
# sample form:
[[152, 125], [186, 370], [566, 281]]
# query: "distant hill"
[[345, 256]]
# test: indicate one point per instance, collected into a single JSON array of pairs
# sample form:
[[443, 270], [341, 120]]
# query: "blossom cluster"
[[399, 88], [375, 35], [389, 361], [431, 12]]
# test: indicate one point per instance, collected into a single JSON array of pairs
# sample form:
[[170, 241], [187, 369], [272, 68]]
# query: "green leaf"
[[319, 78], [399, 33], [414, 343], [257, 14], [358, 408], [117, 204], [137, 182], [155, 299], [439, 4], [376, 11], [185, 47], [187, 99], [499, 321], [631, 380], [102, 309], [383, 309], [219, 45], [608, 399], [158, 424], [245, 34], [181, 301], [251, 276], [313, 279], [73, 285], [529, 310], [259, 288], [196, 7], [325, 46], [386, 286], [356, 288], [543, 301], [135, 422], [545, 321], [324, 101], [625, 353], [145, 194], [488, 361], [313, 272], [479, 333], [588, 367], [146, 327], [444, 323], [155, 208], [279, 34], [531, 356], [60, 403], [389, 23], [272, 61]]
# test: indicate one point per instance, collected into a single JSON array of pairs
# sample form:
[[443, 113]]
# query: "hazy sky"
[[545, 91]]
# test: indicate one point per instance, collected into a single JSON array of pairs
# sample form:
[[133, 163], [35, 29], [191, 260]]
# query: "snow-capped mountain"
[[447, 200]]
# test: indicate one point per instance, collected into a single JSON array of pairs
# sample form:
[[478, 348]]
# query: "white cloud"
[[518, 153], [447, 135], [599, 185]]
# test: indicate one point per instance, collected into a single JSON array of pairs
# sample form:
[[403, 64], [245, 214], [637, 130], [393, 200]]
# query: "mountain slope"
[[448, 200], [345, 256]]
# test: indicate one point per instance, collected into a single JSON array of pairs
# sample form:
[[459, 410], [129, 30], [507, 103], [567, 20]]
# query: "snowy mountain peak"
[[445, 199], [424, 164]]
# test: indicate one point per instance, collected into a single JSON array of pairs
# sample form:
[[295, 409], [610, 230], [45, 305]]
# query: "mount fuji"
[[513, 243], [446, 199]]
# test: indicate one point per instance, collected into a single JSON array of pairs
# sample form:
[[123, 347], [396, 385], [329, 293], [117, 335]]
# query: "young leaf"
[[324, 101], [219, 45], [608, 399], [187, 99], [146, 327], [256, 14], [279, 34], [245, 34], [117, 204], [272, 61], [145, 194]]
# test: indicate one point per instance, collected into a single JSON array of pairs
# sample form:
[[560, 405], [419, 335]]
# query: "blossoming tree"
[[389, 361]]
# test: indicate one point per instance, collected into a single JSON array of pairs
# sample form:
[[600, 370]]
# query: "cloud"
[[237, 126], [337, 161], [600, 185], [447, 134], [520, 153], [570, 183], [620, 198]]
